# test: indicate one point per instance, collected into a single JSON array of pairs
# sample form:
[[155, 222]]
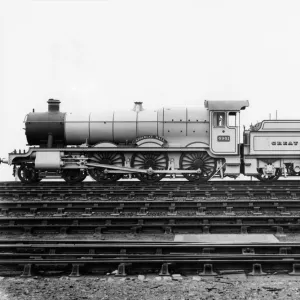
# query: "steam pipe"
[[50, 140], [3, 160]]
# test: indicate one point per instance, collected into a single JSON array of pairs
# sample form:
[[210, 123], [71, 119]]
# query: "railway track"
[[163, 258], [169, 189], [148, 206], [167, 207], [150, 224]]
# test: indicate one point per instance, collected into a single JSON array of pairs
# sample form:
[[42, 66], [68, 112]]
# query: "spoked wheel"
[[147, 160], [107, 158], [73, 175], [268, 178], [198, 160], [293, 171], [28, 174]]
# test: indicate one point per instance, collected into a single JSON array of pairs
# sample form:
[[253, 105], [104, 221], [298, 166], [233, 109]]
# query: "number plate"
[[223, 138]]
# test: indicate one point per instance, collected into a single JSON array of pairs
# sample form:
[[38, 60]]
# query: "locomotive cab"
[[225, 126], [225, 132]]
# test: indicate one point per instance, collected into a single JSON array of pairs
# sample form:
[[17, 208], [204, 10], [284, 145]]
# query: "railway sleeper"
[[188, 196], [122, 267], [172, 210], [284, 250], [63, 230], [279, 230], [5, 211], [256, 210], [296, 270], [229, 211], [207, 270], [257, 270], [244, 229], [229, 196], [99, 230], [60, 212], [282, 210], [200, 211], [136, 229], [27, 270], [150, 196], [248, 251], [143, 210], [27, 230], [75, 270], [206, 229], [118, 210], [164, 270], [167, 229], [206, 251]]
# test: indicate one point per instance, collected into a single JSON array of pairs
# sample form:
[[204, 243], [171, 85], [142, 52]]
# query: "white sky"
[[95, 55]]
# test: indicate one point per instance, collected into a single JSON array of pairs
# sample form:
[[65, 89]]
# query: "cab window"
[[219, 119], [232, 119]]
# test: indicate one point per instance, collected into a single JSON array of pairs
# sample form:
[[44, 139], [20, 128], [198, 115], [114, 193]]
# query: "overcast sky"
[[96, 55]]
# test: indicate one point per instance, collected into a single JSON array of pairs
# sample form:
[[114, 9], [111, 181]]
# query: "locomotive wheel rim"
[[73, 176], [267, 178], [195, 161], [27, 174], [146, 160], [109, 158]]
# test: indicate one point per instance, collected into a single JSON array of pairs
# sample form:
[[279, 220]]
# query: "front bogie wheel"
[[28, 174]]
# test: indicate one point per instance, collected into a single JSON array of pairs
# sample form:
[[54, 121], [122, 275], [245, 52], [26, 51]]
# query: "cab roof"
[[226, 104]]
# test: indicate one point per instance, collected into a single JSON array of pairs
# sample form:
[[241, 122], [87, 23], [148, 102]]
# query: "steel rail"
[[219, 183], [170, 191]]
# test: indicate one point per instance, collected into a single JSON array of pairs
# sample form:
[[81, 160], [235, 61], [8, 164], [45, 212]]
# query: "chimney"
[[138, 106], [53, 105]]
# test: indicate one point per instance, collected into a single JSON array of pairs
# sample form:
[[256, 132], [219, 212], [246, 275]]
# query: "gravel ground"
[[150, 288]]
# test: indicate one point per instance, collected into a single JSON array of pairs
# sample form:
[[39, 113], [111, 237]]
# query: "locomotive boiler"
[[194, 142]]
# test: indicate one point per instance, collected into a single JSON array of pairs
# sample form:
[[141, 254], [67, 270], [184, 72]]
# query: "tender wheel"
[[146, 160], [268, 178], [73, 175], [198, 160], [293, 171], [27, 174], [108, 158]]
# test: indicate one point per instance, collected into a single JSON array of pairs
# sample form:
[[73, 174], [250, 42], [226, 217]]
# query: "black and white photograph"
[[149, 149]]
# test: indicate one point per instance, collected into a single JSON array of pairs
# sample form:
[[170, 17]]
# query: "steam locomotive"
[[194, 142]]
